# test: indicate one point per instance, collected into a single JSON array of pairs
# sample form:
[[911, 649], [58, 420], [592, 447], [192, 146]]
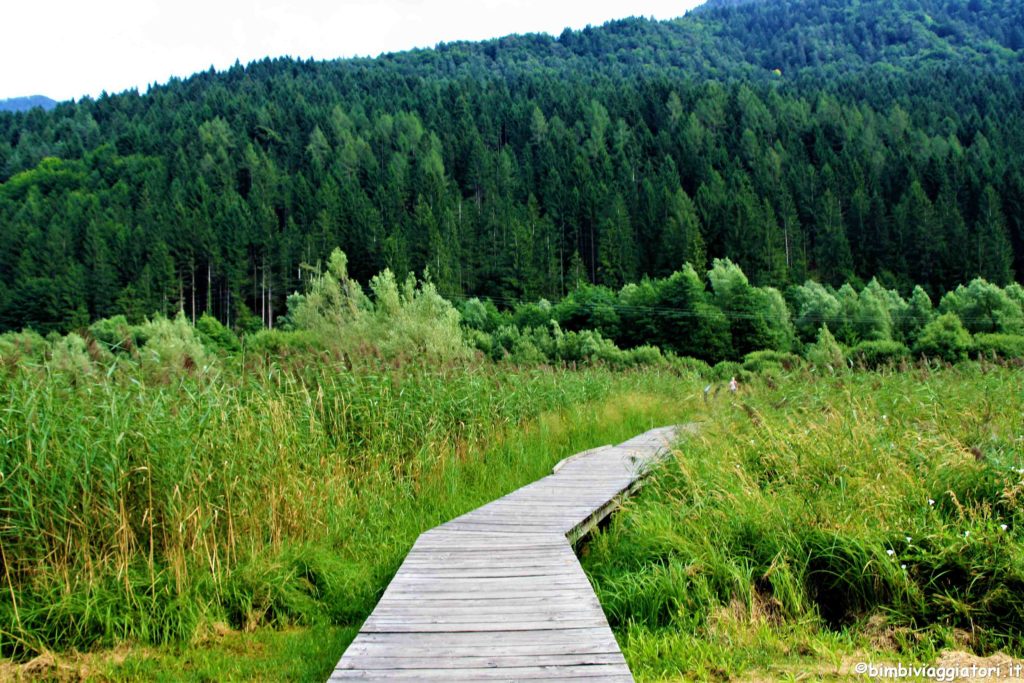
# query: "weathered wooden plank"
[[486, 572], [520, 505], [429, 547], [493, 585], [510, 609], [412, 594], [470, 585], [603, 672], [489, 639], [483, 558], [500, 524], [477, 622], [475, 541], [539, 649], [385, 663]]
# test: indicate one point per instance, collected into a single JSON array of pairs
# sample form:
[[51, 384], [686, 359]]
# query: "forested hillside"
[[802, 139]]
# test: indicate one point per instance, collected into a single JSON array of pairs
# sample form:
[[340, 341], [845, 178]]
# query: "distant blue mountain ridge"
[[26, 103]]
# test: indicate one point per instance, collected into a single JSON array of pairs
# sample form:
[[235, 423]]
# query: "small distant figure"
[[733, 385], [707, 392]]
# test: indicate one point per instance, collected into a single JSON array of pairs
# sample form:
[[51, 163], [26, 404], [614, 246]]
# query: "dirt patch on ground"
[[66, 668], [885, 637], [46, 666], [1006, 666]]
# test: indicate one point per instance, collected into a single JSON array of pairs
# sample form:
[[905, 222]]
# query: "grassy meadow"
[[181, 503], [190, 515], [820, 519]]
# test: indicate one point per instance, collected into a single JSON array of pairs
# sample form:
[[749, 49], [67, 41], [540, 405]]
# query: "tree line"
[[527, 167]]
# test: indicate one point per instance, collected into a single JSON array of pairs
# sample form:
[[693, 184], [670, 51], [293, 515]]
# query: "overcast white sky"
[[69, 48]]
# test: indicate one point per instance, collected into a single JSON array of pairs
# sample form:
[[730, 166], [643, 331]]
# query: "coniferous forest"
[[261, 328], [804, 139]]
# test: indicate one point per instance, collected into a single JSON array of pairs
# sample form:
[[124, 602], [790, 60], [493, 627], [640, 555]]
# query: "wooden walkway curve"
[[498, 594]]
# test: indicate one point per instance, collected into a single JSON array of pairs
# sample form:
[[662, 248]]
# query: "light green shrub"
[[1001, 345], [216, 335], [944, 338], [876, 354], [757, 361], [172, 347], [984, 307]]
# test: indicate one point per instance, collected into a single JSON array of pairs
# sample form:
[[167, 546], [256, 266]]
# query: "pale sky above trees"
[[67, 48]]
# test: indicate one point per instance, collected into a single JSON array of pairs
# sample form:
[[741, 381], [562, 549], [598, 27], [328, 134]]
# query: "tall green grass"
[[817, 516], [152, 502]]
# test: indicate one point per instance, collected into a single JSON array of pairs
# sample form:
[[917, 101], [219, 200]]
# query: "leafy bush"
[[759, 317], [944, 338], [332, 301], [214, 334], [727, 369], [553, 345], [689, 364], [984, 307], [1002, 345], [591, 307], [876, 354], [247, 322], [480, 315], [582, 346], [815, 305], [687, 322], [876, 308], [534, 314], [643, 355], [533, 346], [919, 313], [481, 341], [757, 361]]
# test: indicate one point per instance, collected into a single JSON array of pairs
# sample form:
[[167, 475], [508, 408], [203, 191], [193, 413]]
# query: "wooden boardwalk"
[[498, 594]]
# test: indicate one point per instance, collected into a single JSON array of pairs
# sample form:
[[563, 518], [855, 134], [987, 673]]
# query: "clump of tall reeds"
[[818, 505], [153, 481]]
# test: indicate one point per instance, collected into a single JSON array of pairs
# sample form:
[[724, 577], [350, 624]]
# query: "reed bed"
[[816, 516]]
